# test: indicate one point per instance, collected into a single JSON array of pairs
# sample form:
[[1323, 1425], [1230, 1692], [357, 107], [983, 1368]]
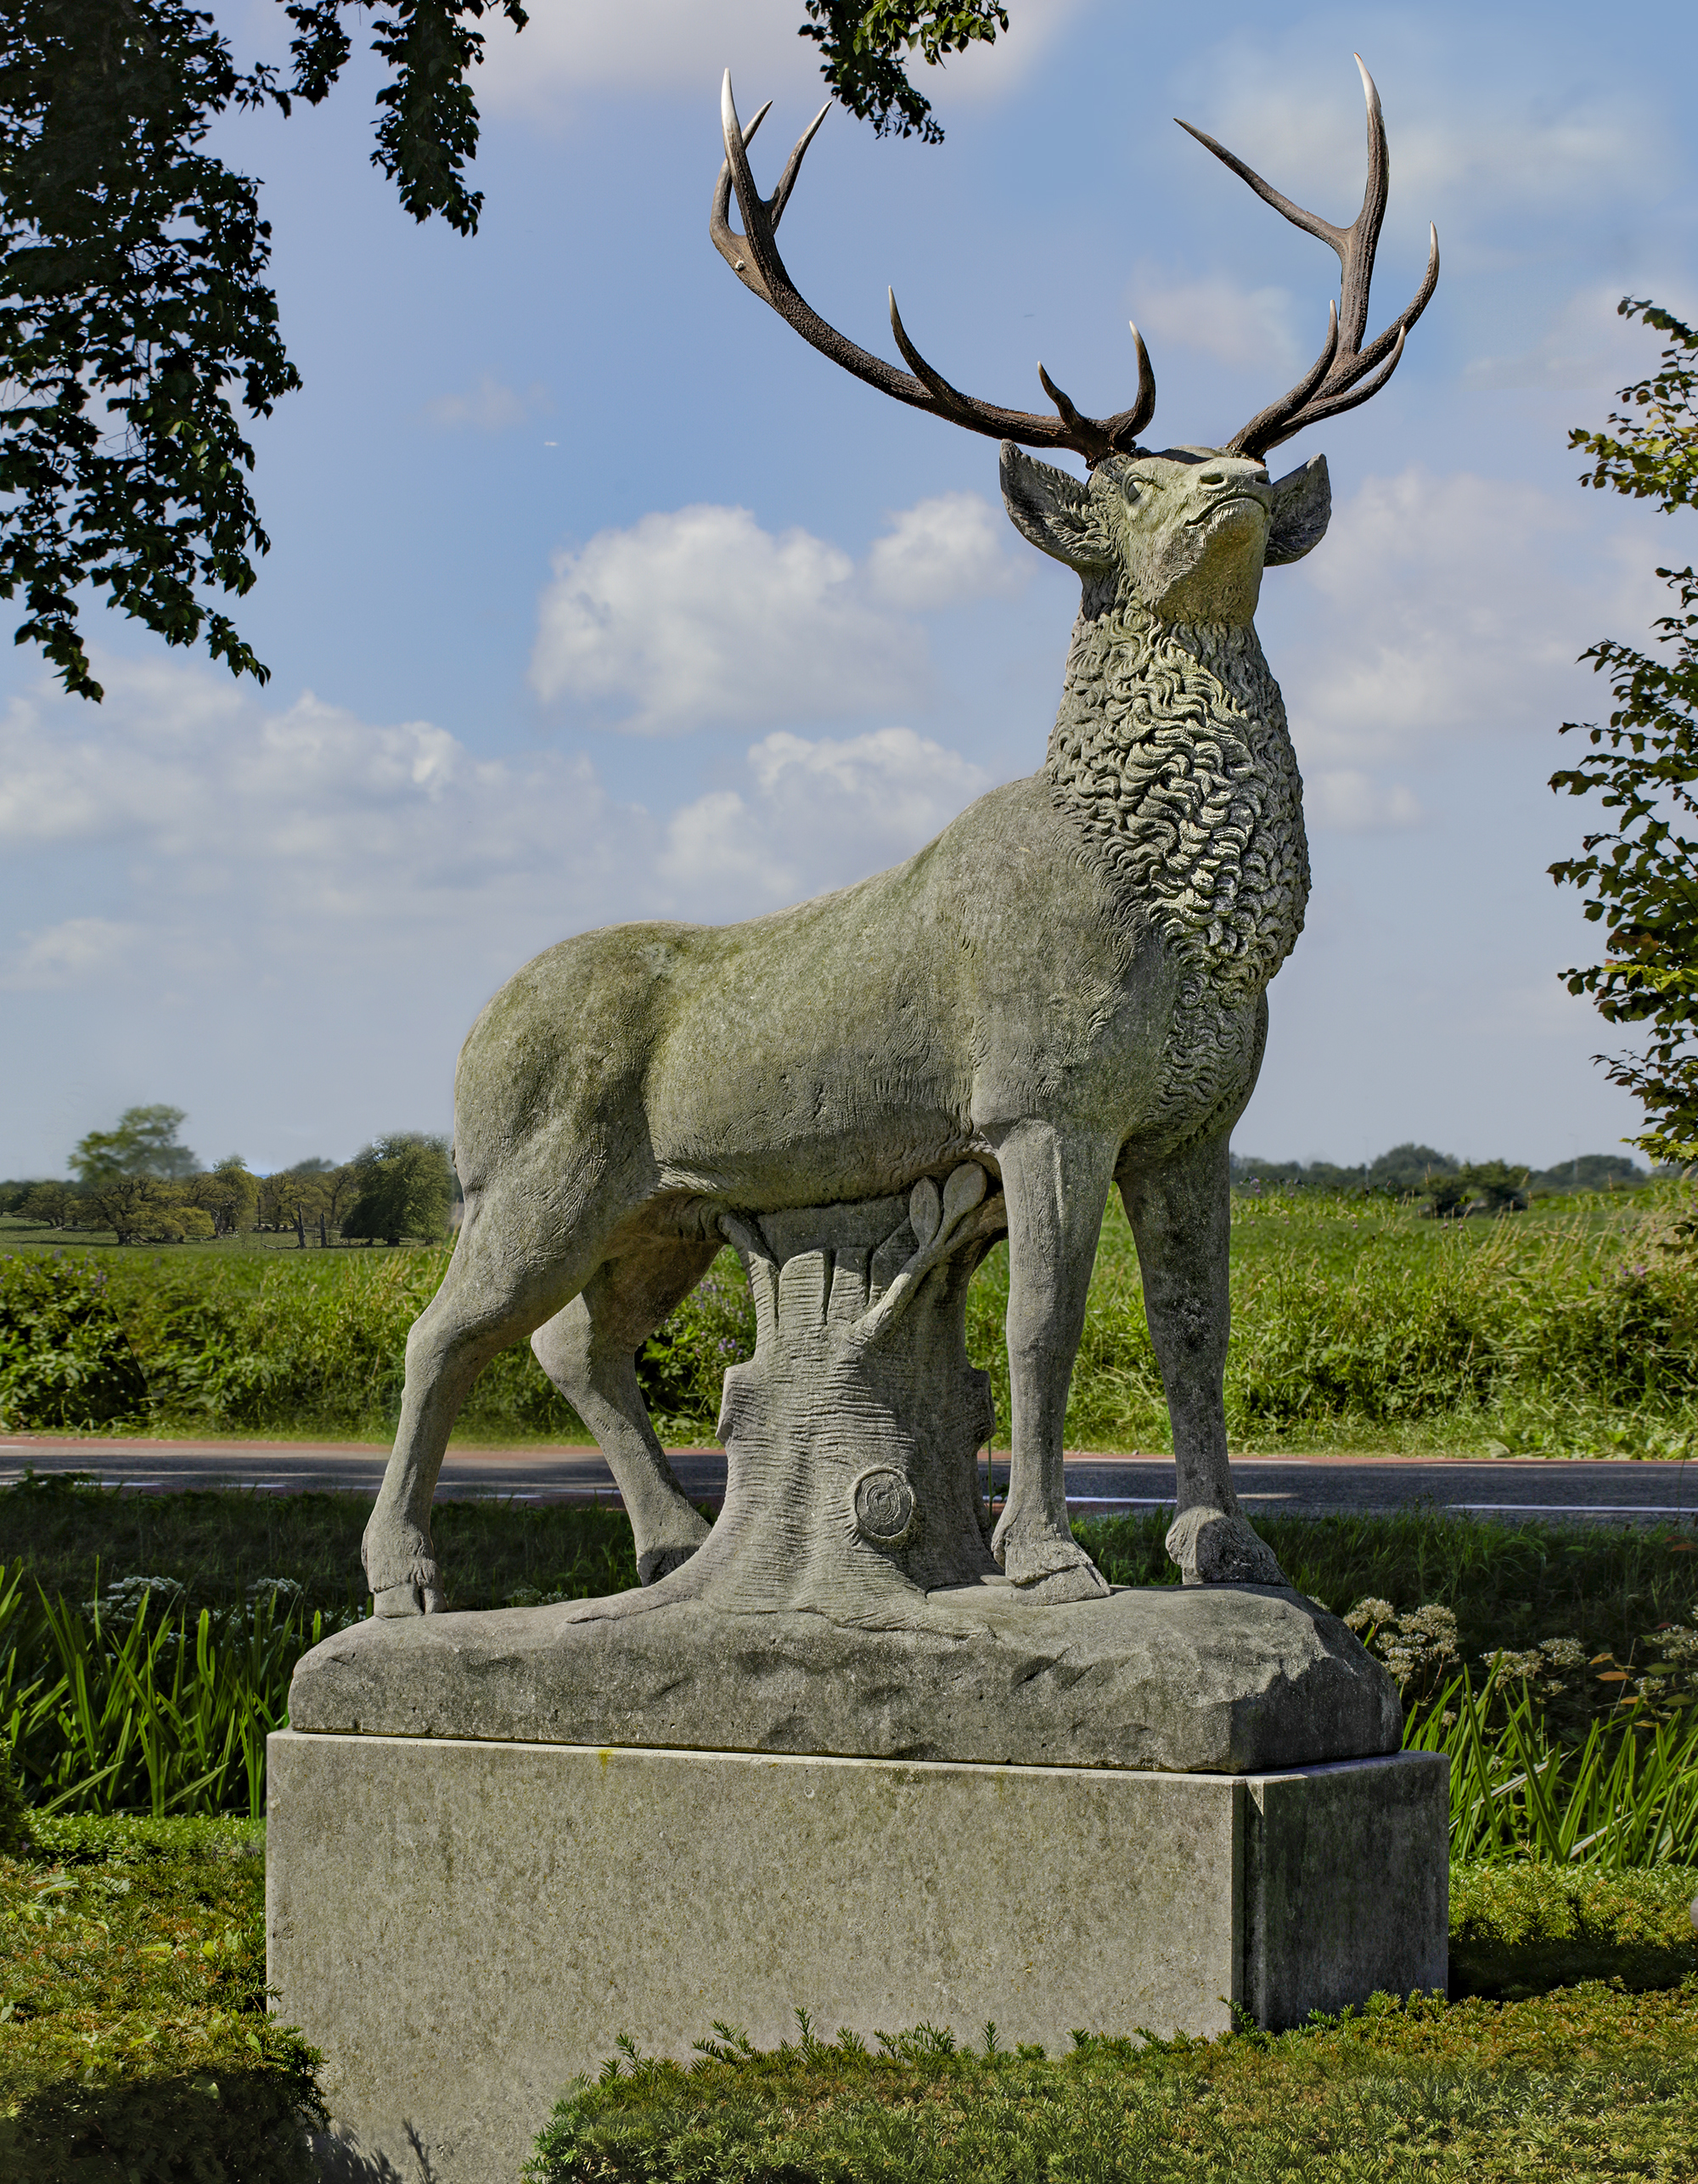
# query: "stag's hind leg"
[[517, 1262], [589, 1351]]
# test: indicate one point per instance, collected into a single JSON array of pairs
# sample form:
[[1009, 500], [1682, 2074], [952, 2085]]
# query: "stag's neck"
[[1171, 755]]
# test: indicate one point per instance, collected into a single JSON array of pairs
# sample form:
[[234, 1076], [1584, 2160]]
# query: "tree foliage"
[[863, 53], [136, 319], [1491, 1186], [145, 1142], [132, 301], [405, 1187], [1640, 874]]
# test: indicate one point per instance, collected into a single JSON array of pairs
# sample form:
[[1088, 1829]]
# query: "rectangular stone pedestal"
[[462, 1927]]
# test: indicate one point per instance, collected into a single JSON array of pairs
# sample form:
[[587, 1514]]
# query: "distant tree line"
[[1449, 1187], [140, 1182]]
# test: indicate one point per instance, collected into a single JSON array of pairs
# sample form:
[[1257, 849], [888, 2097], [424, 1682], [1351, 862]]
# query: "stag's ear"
[[1056, 512], [1303, 509]]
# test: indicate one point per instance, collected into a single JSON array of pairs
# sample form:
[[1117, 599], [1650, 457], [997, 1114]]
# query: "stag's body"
[[1068, 986]]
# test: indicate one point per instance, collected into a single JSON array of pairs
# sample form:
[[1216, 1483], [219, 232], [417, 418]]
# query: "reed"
[[148, 1712], [1626, 1797]]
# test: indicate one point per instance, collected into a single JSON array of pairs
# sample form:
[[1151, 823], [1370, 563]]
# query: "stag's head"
[[1186, 532]]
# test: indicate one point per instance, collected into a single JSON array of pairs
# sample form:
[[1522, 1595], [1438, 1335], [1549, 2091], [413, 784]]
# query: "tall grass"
[[166, 1712], [148, 1711], [1626, 1797]]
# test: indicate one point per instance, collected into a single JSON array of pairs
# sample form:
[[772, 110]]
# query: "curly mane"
[[1170, 754]]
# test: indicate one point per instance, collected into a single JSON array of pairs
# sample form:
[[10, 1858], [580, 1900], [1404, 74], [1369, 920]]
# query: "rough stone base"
[[463, 1926], [1226, 1679]]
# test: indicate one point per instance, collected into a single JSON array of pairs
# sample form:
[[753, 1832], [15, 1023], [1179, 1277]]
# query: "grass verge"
[[134, 2042], [134, 2047]]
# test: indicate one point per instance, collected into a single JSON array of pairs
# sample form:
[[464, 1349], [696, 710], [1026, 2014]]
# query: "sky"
[[595, 594]]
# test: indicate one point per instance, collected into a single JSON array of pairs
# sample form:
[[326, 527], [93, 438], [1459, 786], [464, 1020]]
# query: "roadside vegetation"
[[1571, 1328], [147, 1643]]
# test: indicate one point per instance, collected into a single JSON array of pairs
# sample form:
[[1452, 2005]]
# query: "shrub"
[[65, 1360]]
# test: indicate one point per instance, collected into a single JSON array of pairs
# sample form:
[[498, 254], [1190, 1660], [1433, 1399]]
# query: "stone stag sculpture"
[[1066, 990]]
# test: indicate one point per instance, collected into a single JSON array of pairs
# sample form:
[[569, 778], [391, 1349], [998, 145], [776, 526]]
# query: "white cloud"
[[263, 847], [1346, 801], [1439, 605], [489, 407], [701, 616], [74, 953], [820, 813], [571, 47], [1445, 610], [1587, 344], [1475, 155], [1239, 325], [1508, 162], [942, 553]]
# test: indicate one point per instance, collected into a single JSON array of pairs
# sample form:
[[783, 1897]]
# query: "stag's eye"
[[1214, 477]]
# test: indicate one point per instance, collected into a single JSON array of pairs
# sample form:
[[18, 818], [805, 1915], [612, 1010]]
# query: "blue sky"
[[595, 594]]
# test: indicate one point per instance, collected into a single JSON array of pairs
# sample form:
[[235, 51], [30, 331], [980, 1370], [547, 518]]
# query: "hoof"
[[655, 1563], [409, 1600], [400, 1570], [1054, 1560], [1084, 1582], [1212, 1548]]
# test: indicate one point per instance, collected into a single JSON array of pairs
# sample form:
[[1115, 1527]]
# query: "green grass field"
[[1570, 1328]]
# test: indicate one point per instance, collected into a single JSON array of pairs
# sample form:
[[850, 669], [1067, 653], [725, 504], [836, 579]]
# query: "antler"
[[1333, 383], [753, 256]]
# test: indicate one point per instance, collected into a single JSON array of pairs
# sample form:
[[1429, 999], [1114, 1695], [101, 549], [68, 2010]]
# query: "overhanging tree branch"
[[138, 329]]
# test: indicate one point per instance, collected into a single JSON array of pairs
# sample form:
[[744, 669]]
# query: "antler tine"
[[1125, 426], [1326, 390], [1364, 229], [754, 258], [730, 246], [1277, 413], [781, 196]]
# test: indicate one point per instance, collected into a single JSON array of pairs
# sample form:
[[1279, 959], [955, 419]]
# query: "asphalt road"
[[1613, 1491]]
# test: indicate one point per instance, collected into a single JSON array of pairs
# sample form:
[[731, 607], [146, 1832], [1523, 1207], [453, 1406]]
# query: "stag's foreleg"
[[589, 1352], [1181, 1215], [1055, 1182]]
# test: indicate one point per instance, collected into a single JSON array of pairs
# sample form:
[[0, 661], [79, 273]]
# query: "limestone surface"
[[1225, 1679], [461, 1926]]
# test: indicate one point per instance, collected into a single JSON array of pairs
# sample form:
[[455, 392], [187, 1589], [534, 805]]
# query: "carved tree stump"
[[852, 1434]]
